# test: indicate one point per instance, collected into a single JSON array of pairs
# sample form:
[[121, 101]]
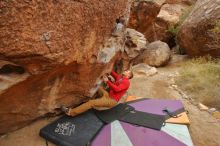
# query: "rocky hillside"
[[63, 47]]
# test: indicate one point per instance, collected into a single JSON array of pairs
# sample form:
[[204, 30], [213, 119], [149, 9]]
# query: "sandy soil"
[[204, 129]]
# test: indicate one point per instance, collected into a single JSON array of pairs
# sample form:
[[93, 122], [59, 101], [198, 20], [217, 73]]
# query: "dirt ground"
[[204, 128]]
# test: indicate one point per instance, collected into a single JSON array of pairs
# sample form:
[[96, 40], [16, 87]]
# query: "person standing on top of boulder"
[[108, 99]]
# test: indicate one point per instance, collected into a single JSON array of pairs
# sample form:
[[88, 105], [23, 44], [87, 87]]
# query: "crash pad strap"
[[114, 113], [169, 113], [173, 114], [144, 119]]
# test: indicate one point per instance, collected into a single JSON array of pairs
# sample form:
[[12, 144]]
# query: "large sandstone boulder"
[[168, 17], [188, 2], [171, 13], [197, 34], [135, 43], [143, 15], [156, 54], [154, 18], [64, 47]]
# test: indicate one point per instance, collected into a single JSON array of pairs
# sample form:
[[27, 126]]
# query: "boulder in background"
[[198, 34], [156, 54]]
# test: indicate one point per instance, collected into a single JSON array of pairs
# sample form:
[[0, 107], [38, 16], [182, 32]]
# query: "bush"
[[216, 28], [173, 29], [200, 78]]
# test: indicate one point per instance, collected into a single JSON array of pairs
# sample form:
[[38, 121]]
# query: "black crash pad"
[[73, 131], [144, 119], [114, 113]]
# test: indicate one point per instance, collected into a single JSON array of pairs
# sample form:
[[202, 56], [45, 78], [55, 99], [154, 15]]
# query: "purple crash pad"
[[156, 106], [103, 138], [139, 136]]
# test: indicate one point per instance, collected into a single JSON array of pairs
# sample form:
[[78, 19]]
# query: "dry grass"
[[216, 28], [200, 78]]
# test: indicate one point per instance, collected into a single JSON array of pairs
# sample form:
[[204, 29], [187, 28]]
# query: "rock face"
[[143, 15], [197, 34], [171, 13], [168, 16], [153, 18], [64, 47], [188, 2], [138, 50], [156, 54], [135, 43]]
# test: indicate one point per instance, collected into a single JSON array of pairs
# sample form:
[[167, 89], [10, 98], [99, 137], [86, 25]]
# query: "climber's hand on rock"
[[105, 78], [111, 78]]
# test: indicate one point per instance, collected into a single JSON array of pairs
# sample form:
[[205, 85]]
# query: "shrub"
[[216, 28]]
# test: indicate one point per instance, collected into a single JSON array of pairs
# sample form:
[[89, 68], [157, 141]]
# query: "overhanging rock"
[[58, 43]]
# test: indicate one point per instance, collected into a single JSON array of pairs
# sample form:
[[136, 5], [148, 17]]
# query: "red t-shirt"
[[119, 87]]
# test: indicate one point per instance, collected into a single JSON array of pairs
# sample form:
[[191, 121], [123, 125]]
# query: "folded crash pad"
[[144, 119], [114, 113], [157, 106], [182, 118], [73, 131]]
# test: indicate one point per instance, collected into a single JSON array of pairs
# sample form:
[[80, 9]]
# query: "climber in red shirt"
[[109, 99], [120, 86]]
